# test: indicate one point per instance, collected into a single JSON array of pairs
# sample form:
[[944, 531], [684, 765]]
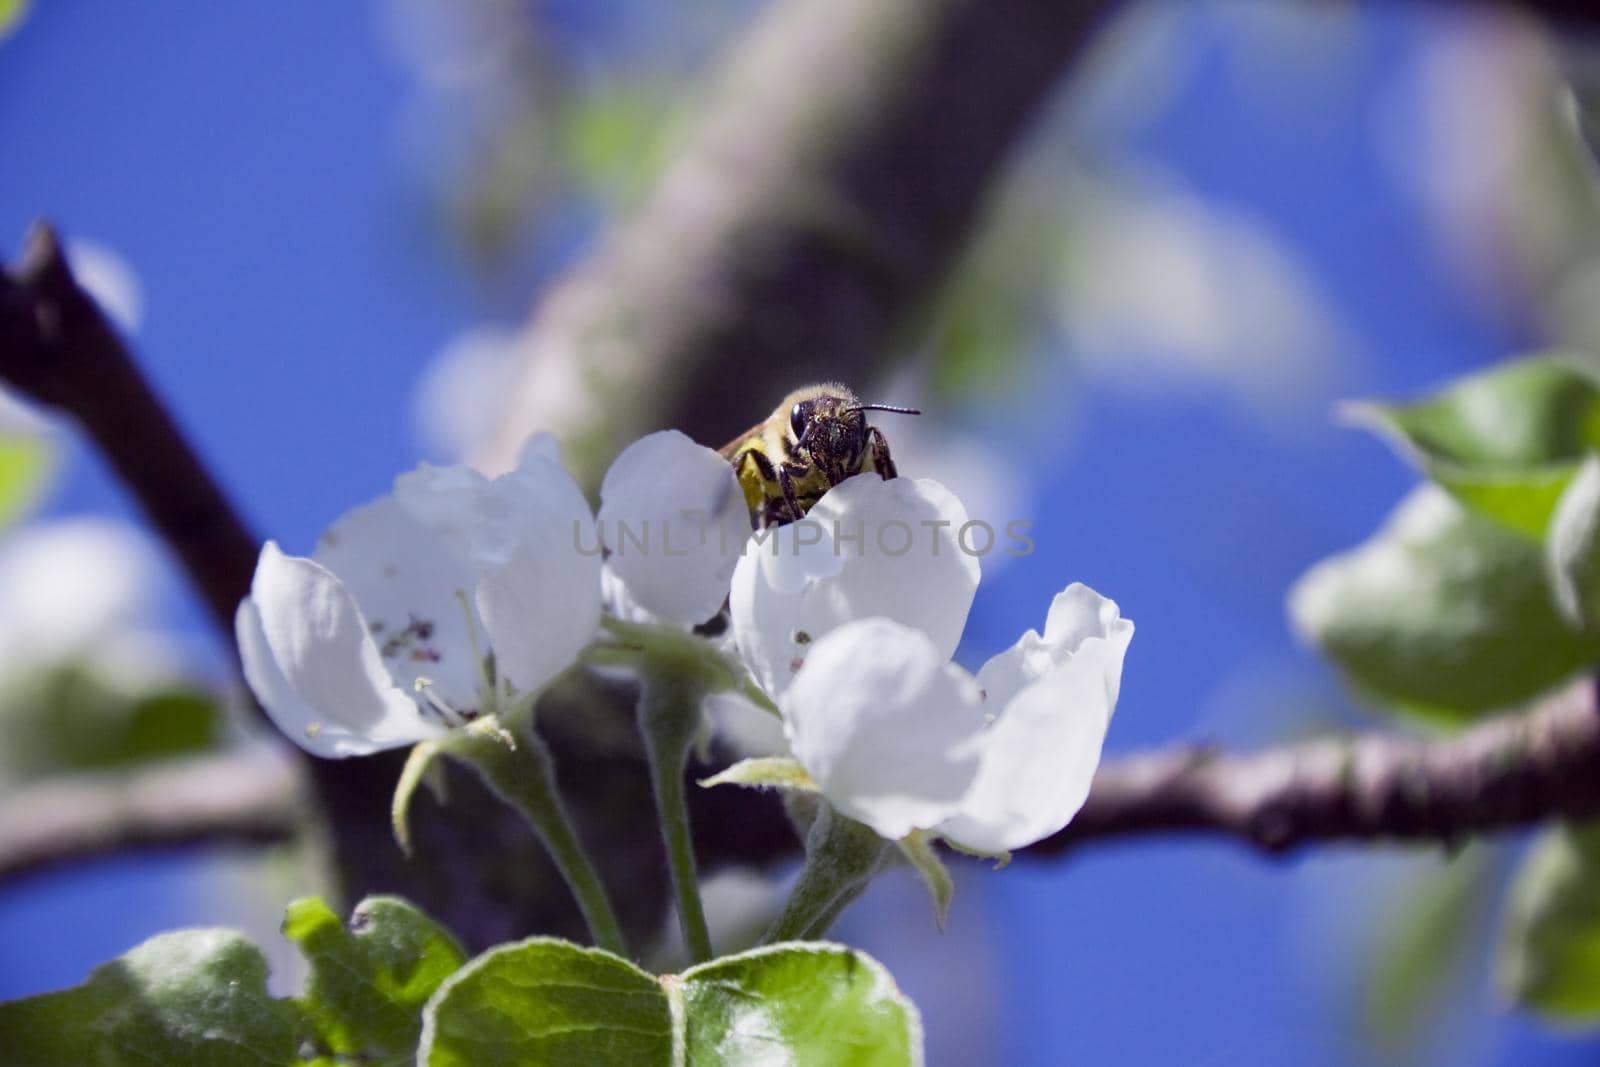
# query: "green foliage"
[[1572, 548], [73, 719], [390, 988], [369, 980], [545, 1001], [1442, 613], [822, 1005], [1505, 442], [24, 461], [614, 139], [1424, 944], [192, 997], [1550, 956], [550, 1002], [199, 997], [12, 13]]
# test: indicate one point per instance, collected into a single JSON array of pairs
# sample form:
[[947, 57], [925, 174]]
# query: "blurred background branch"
[[839, 162], [252, 797]]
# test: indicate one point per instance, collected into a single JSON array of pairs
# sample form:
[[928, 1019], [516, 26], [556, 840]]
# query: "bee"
[[815, 439]]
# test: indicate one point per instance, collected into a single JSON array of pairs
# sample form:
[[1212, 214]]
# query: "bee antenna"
[[885, 407]]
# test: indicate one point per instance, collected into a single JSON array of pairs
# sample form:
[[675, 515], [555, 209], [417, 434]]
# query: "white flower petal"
[[413, 584], [539, 495], [541, 606], [674, 520], [539, 594], [891, 551], [1040, 755], [313, 664], [885, 726], [1076, 614]]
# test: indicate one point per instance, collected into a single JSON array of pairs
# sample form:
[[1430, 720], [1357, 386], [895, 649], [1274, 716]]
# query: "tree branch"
[[1504, 774], [251, 797], [57, 348], [1508, 772]]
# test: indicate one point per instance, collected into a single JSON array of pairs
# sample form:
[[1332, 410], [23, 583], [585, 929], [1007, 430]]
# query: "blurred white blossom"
[[1163, 291], [83, 591]]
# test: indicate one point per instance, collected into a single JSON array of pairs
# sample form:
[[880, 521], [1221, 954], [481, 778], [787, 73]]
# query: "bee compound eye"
[[797, 420]]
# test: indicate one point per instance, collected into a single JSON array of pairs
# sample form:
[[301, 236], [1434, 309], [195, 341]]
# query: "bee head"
[[831, 432], [828, 429]]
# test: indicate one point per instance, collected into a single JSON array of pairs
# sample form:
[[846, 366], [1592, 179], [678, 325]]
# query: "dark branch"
[[57, 348], [251, 797], [1508, 772]]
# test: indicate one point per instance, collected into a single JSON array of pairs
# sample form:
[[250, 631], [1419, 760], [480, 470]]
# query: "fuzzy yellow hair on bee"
[[814, 439]]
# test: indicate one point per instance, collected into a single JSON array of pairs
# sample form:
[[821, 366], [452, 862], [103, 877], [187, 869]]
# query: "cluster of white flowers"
[[456, 595]]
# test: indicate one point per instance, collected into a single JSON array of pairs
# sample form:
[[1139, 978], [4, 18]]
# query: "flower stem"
[[523, 774], [842, 855], [669, 720]]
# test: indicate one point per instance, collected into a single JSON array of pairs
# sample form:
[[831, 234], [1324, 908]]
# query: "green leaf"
[[805, 1003], [25, 462], [192, 997], [544, 1001], [369, 981], [1585, 106], [1572, 548], [549, 1002], [1505, 442], [1423, 946], [12, 12], [73, 719], [1441, 613], [1550, 953]]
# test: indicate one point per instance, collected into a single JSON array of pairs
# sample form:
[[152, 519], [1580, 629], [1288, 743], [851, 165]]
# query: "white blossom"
[[897, 737], [381, 638], [456, 593], [673, 519], [868, 548]]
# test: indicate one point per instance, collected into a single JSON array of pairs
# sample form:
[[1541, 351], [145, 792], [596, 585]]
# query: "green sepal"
[[413, 774], [919, 852], [764, 772]]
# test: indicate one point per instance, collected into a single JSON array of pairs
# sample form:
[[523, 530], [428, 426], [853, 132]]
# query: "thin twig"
[[837, 163], [252, 796]]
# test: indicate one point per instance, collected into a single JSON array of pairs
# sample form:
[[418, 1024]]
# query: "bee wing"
[[733, 447]]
